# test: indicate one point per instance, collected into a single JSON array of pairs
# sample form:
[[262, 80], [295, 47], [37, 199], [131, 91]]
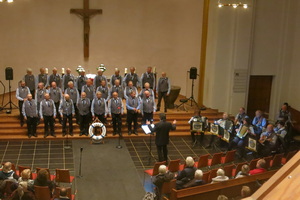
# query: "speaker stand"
[[191, 98], [10, 103]]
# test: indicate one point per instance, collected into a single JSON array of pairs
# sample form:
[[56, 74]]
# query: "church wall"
[[43, 33]]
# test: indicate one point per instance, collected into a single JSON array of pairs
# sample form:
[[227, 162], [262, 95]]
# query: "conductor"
[[162, 130]]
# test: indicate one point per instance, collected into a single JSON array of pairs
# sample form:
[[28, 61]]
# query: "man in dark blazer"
[[162, 130]]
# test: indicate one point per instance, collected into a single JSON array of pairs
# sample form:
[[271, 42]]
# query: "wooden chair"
[[276, 162], [238, 168], [42, 192], [216, 159], [288, 157], [154, 171], [174, 165], [21, 168], [268, 161], [167, 188], [202, 162], [63, 176], [213, 174], [229, 157], [69, 193], [252, 164], [205, 176], [228, 170]]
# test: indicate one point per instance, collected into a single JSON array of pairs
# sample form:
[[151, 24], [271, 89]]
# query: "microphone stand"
[[67, 140], [119, 146], [80, 159]]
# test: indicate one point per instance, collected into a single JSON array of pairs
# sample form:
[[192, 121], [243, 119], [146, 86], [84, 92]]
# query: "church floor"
[[38, 153]]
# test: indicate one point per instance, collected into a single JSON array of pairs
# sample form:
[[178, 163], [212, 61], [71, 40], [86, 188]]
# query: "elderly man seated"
[[63, 194], [220, 176], [187, 174], [161, 178], [8, 173], [196, 181], [260, 167]]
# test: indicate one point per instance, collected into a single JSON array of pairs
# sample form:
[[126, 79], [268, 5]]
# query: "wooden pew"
[[230, 188]]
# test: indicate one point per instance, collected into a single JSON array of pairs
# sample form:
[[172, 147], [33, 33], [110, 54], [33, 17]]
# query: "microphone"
[[81, 149]]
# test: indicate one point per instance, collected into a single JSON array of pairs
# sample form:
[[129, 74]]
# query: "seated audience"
[[260, 167], [42, 180], [25, 177], [187, 174], [8, 173], [245, 192], [161, 178], [220, 176], [244, 172], [63, 194], [23, 192], [196, 181]]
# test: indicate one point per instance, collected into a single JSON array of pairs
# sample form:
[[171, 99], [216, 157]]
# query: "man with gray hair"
[[67, 78], [42, 77], [21, 94], [196, 181], [54, 77], [30, 114], [115, 77], [74, 95], [220, 176], [148, 107], [56, 95], [99, 108], [98, 78], [148, 77], [132, 76], [48, 114], [30, 81], [81, 81], [115, 110], [67, 112], [163, 89], [83, 105], [117, 88], [133, 109]]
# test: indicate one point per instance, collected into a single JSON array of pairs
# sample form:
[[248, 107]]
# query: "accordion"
[[197, 126]]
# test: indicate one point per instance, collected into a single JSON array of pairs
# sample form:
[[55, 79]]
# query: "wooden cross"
[[86, 14]]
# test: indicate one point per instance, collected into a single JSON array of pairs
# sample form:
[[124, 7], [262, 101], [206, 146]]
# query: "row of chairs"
[[218, 159], [43, 193], [61, 175]]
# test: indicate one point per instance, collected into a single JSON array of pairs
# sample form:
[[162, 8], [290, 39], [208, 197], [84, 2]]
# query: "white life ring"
[[94, 137]]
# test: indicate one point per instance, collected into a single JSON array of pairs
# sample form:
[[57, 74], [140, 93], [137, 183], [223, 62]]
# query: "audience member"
[[25, 177], [245, 192], [220, 176], [161, 178], [63, 194], [244, 172], [260, 167], [222, 197], [187, 174], [196, 181], [8, 173], [23, 192], [42, 180]]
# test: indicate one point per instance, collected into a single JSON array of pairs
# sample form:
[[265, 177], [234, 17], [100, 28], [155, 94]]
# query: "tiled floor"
[[48, 154]]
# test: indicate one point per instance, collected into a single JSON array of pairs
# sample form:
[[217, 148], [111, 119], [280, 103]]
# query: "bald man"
[[148, 77], [115, 77], [147, 107], [30, 113], [48, 114], [132, 76], [54, 77], [56, 95], [115, 110], [163, 90], [42, 77], [98, 78], [67, 112], [67, 78]]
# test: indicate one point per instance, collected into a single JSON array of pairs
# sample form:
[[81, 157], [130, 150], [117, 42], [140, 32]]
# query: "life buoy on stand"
[[97, 138]]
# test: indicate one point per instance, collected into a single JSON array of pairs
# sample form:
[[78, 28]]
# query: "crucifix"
[[86, 13]]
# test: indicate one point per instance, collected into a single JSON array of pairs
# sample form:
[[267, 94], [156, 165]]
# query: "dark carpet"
[[108, 173]]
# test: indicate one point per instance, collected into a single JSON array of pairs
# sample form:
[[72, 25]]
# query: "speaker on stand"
[[9, 75]]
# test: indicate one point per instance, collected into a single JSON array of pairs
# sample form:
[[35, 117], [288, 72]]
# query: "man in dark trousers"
[[162, 130], [83, 105], [115, 111], [30, 114]]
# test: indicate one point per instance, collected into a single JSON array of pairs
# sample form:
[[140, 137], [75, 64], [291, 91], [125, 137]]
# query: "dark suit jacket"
[[162, 130]]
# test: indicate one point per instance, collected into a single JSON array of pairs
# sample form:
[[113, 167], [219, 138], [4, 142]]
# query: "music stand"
[[148, 132]]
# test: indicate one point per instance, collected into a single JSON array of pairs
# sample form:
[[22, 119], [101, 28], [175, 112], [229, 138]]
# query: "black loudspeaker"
[[193, 73], [9, 73]]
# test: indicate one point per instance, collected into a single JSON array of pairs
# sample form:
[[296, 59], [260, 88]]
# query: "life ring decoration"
[[97, 138]]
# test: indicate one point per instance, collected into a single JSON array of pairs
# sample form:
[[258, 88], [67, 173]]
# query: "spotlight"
[[234, 5], [245, 6], [220, 5]]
